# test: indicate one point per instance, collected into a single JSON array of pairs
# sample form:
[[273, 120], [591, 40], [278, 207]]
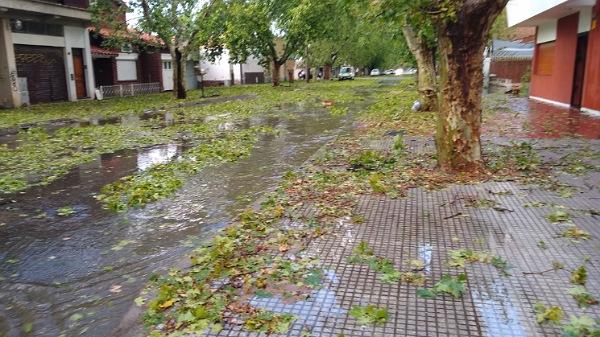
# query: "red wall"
[[510, 69], [558, 86], [591, 86]]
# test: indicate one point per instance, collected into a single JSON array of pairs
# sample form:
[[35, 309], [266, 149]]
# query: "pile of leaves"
[[385, 267], [253, 257], [452, 285]]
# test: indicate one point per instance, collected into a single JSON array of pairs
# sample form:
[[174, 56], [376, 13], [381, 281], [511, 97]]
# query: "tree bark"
[[178, 71], [291, 75], [275, 73], [327, 71], [425, 57], [461, 43]]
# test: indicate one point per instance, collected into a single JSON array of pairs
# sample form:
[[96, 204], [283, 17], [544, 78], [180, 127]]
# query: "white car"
[[389, 72], [375, 72]]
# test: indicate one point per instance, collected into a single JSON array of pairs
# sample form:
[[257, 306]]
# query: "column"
[[9, 90]]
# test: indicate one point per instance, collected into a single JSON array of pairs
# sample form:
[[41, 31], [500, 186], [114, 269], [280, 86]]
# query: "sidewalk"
[[517, 235]]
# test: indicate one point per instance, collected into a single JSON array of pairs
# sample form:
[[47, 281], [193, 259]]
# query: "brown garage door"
[[251, 78], [44, 68]]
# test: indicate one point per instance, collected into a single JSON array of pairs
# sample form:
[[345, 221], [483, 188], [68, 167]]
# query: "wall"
[[558, 86], [510, 69], [151, 67], [591, 86], [218, 71], [521, 10]]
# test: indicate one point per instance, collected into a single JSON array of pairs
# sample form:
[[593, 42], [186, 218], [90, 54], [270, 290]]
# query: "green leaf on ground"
[[558, 216], [579, 275], [65, 211], [542, 244], [370, 314], [582, 326], [553, 314], [314, 278], [576, 233], [453, 285], [582, 296], [500, 264], [426, 293], [269, 322]]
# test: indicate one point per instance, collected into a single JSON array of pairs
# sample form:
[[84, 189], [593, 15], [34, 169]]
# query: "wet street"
[[78, 275]]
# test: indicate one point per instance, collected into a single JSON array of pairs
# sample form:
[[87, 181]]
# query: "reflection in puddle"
[[313, 311], [156, 155], [499, 315], [425, 254]]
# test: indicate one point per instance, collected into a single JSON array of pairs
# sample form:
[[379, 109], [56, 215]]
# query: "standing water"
[[79, 274]]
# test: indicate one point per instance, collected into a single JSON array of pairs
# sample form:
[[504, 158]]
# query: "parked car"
[[389, 72], [375, 72], [346, 73]]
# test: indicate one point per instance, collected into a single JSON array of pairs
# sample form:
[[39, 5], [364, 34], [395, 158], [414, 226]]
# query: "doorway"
[[579, 73], [167, 75], [79, 73]]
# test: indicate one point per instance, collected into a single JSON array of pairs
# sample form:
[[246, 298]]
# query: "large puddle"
[[78, 274]]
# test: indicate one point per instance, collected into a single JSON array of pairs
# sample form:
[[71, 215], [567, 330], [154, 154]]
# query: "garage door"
[[44, 68], [251, 78]]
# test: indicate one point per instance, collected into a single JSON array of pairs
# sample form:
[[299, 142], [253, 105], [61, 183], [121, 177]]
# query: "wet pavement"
[[534, 119], [427, 225], [77, 275]]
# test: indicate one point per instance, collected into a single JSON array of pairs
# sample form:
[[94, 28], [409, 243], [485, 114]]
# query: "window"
[[32, 27], [126, 70], [545, 59], [167, 65]]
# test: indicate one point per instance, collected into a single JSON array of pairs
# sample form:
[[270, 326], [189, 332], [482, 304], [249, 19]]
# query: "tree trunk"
[[327, 71], [275, 73], [425, 57], [178, 71], [461, 43], [307, 72], [291, 75]]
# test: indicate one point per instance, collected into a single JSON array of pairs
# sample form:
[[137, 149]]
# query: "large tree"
[[175, 22], [463, 28]]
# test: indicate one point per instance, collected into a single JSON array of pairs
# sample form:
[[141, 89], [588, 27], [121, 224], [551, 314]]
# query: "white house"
[[44, 51], [222, 72]]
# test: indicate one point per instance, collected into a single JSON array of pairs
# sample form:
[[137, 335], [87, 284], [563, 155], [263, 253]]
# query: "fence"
[[122, 90]]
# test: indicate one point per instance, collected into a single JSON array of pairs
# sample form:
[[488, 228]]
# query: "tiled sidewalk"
[[426, 225]]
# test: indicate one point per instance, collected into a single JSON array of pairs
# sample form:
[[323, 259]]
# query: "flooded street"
[[79, 274]]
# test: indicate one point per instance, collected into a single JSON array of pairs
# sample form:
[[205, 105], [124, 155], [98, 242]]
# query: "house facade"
[[45, 52], [565, 70], [223, 72], [142, 61]]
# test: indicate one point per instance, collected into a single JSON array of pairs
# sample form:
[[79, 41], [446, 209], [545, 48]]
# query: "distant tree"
[[176, 22], [272, 31], [419, 32]]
